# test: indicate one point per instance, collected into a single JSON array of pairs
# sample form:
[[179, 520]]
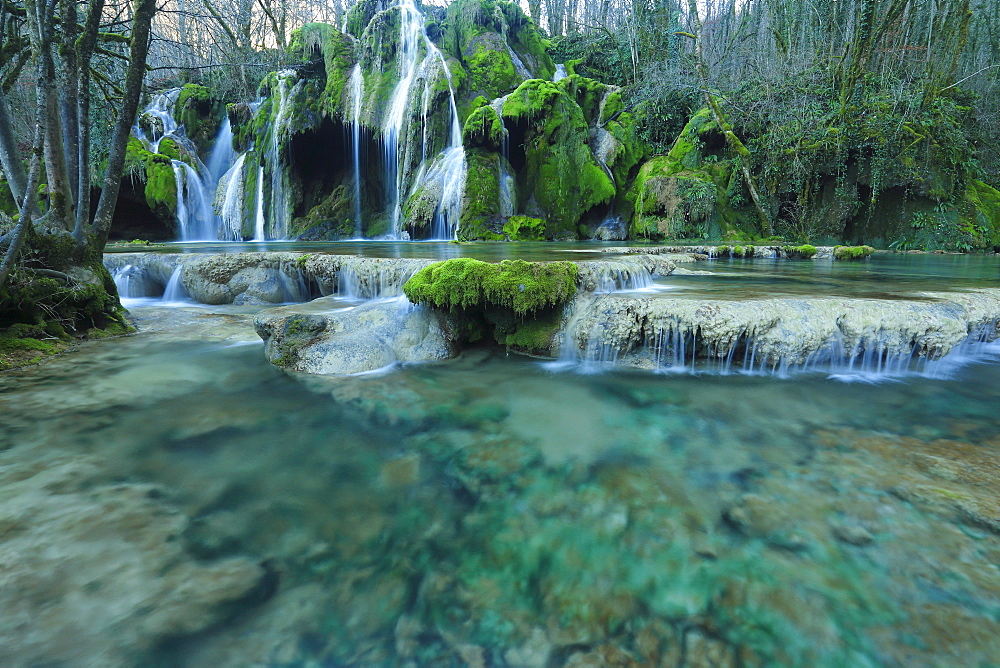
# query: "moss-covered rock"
[[803, 252], [329, 220], [852, 252], [560, 173], [687, 193], [155, 173], [324, 43], [524, 228], [483, 128], [497, 44], [481, 200], [523, 287], [200, 113]]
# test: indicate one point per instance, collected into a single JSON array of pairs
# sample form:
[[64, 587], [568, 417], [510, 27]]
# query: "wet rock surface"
[[355, 340], [778, 332]]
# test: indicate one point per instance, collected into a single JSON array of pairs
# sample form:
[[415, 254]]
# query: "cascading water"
[[508, 203], [259, 214], [196, 185], [161, 107], [560, 72], [357, 94], [195, 218], [222, 156], [279, 209], [231, 209], [449, 169]]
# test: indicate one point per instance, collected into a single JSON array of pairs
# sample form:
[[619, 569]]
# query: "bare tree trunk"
[[40, 30], [144, 10], [85, 51], [10, 156]]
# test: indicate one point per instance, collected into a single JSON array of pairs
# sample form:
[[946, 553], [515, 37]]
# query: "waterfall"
[[195, 218], [160, 107], [450, 167], [258, 230], [231, 210], [357, 94], [280, 211], [175, 292], [519, 67], [560, 72], [508, 203], [222, 155], [196, 185]]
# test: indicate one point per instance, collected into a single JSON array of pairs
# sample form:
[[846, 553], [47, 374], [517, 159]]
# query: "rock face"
[[354, 340], [96, 574], [777, 333]]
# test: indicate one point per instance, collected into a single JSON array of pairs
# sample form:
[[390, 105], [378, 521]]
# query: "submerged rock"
[[95, 573], [354, 340]]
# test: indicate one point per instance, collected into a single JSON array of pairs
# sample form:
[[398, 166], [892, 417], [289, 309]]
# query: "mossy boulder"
[[560, 175], [524, 228], [320, 42], [852, 252], [153, 175], [200, 113], [496, 43], [329, 220], [671, 204], [803, 252], [686, 193], [463, 283], [484, 128], [481, 203]]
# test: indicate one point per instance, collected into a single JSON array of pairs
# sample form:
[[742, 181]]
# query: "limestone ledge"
[[640, 331]]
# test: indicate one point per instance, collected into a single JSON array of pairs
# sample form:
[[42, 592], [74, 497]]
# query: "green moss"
[[483, 129], [613, 105], [804, 252], [329, 220], [360, 15], [463, 283], [852, 252], [560, 174], [319, 41], [491, 69], [481, 199], [156, 172], [200, 114], [524, 228], [479, 32]]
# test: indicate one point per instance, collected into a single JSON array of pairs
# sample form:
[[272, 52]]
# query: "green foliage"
[[464, 283], [524, 228], [852, 252]]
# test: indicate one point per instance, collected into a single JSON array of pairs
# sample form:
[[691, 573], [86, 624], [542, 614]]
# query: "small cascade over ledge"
[[864, 339]]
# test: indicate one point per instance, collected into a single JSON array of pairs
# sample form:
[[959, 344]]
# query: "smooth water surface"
[[485, 511]]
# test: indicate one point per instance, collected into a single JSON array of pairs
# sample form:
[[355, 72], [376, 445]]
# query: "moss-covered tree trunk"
[[52, 280]]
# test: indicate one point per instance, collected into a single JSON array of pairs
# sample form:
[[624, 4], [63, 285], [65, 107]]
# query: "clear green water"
[[884, 276], [486, 509]]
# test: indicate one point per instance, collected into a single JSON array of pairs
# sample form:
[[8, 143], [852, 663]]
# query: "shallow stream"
[[488, 511]]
